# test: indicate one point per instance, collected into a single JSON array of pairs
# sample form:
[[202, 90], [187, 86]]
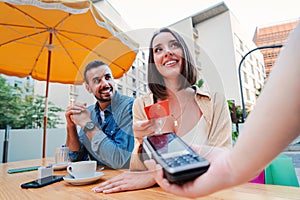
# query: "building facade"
[[272, 35], [26, 84], [134, 82], [218, 42]]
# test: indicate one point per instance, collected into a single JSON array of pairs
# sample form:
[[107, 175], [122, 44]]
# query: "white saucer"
[[83, 181], [60, 166]]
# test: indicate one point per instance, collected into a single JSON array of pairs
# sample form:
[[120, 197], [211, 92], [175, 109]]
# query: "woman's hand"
[[126, 181], [148, 127], [141, 129]]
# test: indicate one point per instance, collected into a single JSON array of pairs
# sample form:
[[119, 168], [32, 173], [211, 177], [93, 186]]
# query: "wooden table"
[[10, 188]]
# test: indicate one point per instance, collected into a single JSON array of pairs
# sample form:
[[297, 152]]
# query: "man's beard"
[[106, 99], [103, 100]]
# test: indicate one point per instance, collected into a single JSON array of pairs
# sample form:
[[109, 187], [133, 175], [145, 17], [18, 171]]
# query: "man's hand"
[[81, 118], [75, 109], [72, 137]]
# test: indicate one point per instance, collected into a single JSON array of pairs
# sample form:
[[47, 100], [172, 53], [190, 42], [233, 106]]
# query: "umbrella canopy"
[[53, 40]]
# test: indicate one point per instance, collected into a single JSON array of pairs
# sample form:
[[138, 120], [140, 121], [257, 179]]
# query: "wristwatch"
[[89, 126]]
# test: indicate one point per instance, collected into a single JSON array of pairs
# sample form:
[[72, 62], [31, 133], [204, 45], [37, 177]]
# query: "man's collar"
[[97, 107]]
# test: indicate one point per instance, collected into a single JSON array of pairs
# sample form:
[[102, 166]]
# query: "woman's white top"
[[198, 135]]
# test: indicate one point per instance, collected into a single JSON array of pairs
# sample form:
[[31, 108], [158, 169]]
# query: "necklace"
[[176, 118]]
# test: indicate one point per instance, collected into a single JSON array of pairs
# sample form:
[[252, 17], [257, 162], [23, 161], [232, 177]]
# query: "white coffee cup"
[[82, 169]]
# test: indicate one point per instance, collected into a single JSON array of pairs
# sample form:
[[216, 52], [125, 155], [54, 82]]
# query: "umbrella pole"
[[46, 99]]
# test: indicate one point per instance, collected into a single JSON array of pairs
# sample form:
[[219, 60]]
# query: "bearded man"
[[106, 133]]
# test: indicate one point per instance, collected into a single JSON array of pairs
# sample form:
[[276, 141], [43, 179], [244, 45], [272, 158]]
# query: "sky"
[[250, 13]]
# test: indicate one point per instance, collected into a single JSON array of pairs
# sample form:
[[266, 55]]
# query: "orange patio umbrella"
[[53, 40]]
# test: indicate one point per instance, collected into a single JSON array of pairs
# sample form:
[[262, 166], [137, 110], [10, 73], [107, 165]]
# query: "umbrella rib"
[[62, 20], [67, 52], [60, 23], [22, 26], [20, 38], [90, 50], [38, 56], [66, 31], [56, 27], [94, 35], [12, 6]]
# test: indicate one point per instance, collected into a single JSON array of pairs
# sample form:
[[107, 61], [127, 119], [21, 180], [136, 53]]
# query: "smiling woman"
[[172, 76], [251, 154]]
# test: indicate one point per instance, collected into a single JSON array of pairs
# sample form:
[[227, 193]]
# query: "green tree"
[[33, 113], [9, 104], [27, 112], [53, 118], [24, 111]]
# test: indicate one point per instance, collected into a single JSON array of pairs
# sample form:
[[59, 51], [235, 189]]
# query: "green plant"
[[236, 115], [200, 83], [235, 135]]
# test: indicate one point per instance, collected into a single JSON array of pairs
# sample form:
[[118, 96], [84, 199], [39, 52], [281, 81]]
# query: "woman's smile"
[[170, 63]]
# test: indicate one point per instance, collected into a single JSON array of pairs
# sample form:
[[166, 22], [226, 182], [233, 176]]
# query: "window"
[[241, 45], [133, 71], [262, 69], [238, 43], [142, 75], [239, 57], [254, 83], [142, 86], [134, 94], [252, 69], [144, 66], [141, 64], [269, 64], [259, 75], [129, 92], [245, 77], [269, 55], [248, 95], [244, 65]]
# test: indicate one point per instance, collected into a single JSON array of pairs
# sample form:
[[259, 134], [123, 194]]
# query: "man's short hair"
[[91, 65]]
